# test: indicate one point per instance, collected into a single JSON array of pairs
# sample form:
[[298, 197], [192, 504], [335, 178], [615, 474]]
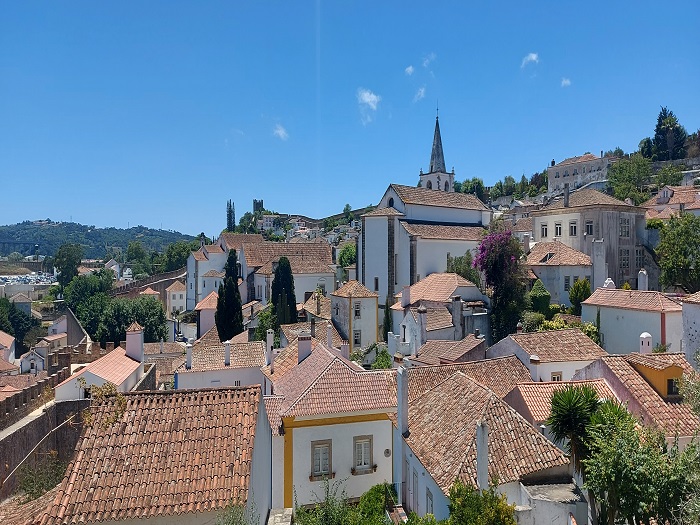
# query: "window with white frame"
[[572, 229], [557, 229], [543, 230], [556, 376], [357, 310], [639, 257], [362, 453], [624, 227], [589, 227], [321, 458], [357, 338], [624, 258]]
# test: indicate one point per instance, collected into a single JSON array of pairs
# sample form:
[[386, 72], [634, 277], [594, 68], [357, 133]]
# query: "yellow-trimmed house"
[[330, 420]]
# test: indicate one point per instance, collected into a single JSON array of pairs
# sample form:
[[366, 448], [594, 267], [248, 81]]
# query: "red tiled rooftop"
[[443, 199], [439, 351], [556, 253], [177, 286], [354, 289], [208, 303], [6, 339], [436, 287], [113, 367], [559, 346], [445, 232], [633, 300]]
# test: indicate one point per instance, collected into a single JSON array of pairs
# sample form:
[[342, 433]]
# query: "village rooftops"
[[7, 367], [234, 241], [20, 298], [6, 339], [354, 289], [318, 305], [442, 199], [633, 300], [214, 273], [523, 225], [299, 265], [208, 303], [436, 287], [585, 198], [673, 196], [114, 367], [436, 318], [163, 348], [207, 357], [587, 157], [559, 346], [444, 232], [291, 332], [556, 253], [442, 425], [258, 254], [149, 291], [177, 286], [437, 352], [160, 454], [383, 212]]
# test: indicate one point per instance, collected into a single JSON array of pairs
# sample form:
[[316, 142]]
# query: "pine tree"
[[283, 283], [669, 137]]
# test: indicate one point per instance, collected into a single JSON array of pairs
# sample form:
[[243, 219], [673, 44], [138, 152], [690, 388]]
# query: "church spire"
[[437, 159]]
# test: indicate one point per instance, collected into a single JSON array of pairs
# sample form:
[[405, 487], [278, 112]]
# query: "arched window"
[[429, 185], [447, 186], [391, 202]]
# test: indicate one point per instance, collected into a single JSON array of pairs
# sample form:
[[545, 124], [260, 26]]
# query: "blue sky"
[[156, 113]]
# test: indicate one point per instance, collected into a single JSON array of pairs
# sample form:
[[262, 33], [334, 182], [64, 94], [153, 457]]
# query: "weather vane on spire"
[[437, 109]]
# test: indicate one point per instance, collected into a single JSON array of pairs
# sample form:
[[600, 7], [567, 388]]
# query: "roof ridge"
[[316, 379]]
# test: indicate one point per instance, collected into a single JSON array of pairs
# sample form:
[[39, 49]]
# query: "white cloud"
[[530, 57], [565, 82], [280, 132], [409, 70], [427, 59], [419, 94], [368, 103]]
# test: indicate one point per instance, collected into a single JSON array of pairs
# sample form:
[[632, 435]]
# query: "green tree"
[[21, 325], [474, 186], [384, 360], [388, 321], [83, 287], [176, 254], [579, 292], [347, 213], [464, 266], [229, 315], [499, 259], [120, 313], [348, 255], [646, 148], [15, 257], [283, 297], [230, 216], [669, 137], [468, 505], [332, 508], [66, 261], [670, 175], [135, 252], [678, 252], [630, 177], [540, 298], [247, 223], [266, 321], [91, 311]]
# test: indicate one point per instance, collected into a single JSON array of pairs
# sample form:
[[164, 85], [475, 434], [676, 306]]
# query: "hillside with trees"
[[96, 242]]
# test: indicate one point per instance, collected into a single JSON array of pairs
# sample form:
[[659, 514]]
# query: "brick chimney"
[[345, 350], [457, 317]]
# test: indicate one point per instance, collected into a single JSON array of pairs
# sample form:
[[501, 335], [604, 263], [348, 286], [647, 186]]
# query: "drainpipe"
[[663, 328]]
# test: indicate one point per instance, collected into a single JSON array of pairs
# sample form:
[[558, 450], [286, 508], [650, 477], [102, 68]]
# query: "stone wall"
[[15, 407], [158, 282], [148, 381]]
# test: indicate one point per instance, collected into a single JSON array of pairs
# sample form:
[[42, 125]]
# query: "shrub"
[[553, 310], [532, 321], [540, 298]]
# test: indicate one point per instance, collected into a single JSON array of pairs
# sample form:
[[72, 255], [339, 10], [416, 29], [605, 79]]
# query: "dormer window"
[[672, 387], [547, 257]]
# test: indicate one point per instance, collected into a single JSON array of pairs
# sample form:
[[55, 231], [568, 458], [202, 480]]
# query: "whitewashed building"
[[558, 267], [175, 298], [354, 311]]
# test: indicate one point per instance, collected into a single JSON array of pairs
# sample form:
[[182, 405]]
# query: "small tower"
[[645, 343], [437, 177]]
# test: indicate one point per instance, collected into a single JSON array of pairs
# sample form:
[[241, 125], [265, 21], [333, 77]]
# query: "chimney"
[[476, 333], [134, 342], [566, 195], [609, 283], [188, 354], [519, 327], [645, 343], [318, 303], [642, 280], [303, 345], [402, 399], [482, 455], [601, 154], [313, 327], [405, 297], [422, 327], [457, 317], [329, 335], [269, 342], [553, 163], [227, 353], [526, 242], [161, 346], [345, 350]]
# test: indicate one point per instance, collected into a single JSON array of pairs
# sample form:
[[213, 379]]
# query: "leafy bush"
[[655, 224], [553, 310], [532, 321], [579, 292], [540, 297]]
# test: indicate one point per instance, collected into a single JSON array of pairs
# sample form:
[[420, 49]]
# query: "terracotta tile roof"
[[177, 286], [499, 375], [113, 367], [587, 157], [556, 253], [436, 287], [8, 391], [288, 359], [291, 332], [20, 298], [169, 453], [208, 303], [212, 248], [214, 273], [437, 352], [559, 346], [583, 198], [168, 348], [354, 289], [256, 307], [318, 305], [437, 318], [14, 511], [694, 298], [211, 357], [234, 241], [6, 339], [21, 381], [149, 291], [199, 255], [210, 337], [300, 265], [166, 364], [661, 361], [677, 195], [55, 337], [523, 225], [669, 415], [240, 338], [442, 425], [134, 327], [257, 254], [381, 212], [537, 396], [273, 407], [443, 232], [633, 300], [444, 199]]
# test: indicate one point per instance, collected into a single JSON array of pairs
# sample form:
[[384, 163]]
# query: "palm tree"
[[572, 409]]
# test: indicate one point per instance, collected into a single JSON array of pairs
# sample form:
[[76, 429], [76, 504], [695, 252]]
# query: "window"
[[357, 310], [204, 283], [428, 501], [391, 202], [376, 284], [556, 176], [557, 229], [575, 278], [190, 286], [321, 459], [429, 185], [639, 257], [362, 455], [672, 387], [624, 227], [556, 376], [624, 258], [575, 171], [447, 186], [589, 227], [174, 296], [357, 338], [572, 229], [181, 297], [237, 383], [543, 230], [567, 283], [566, 173]]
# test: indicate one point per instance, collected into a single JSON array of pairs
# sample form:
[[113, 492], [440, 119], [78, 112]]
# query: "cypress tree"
[[229, 313], [283, 282]]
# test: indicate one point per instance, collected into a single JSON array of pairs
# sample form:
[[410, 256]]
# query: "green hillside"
[[50, 235]]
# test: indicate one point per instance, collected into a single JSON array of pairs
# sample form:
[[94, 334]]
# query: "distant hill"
[[49, 235]]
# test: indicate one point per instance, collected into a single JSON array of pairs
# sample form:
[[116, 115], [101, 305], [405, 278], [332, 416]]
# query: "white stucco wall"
[[226, 377], [71, 389], [260, 487], [376, 240], [346, 322], [277, 472], [176, 301], [206, 321], [691, 331], [341, 457], [553, 279]]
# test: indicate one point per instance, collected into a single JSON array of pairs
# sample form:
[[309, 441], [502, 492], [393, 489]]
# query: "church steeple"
[[437, 159]]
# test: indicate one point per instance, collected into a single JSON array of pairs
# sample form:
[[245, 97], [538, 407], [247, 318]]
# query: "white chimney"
[[642, 280], [345, 350], [329, 335], [303, 345], [188, 354], [402, 400], [134, 342], [227, 353], [482, 455], [269, 343], [645, 343], [405, 297], [422, 326], [609, 283]]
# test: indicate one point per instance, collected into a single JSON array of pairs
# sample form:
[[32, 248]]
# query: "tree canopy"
[[66, 261], [283, 297], [630, 178], [348, 255], [679, 252], [229, 314], [579, 292], [669, 137], [464, 266]]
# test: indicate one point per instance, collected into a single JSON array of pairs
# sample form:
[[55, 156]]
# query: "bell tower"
[[437, 177]]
